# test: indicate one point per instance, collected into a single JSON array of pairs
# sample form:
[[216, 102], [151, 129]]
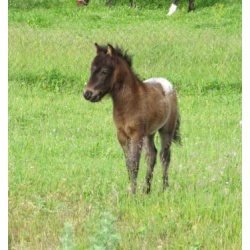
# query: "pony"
[[140, 109], [173, 7]]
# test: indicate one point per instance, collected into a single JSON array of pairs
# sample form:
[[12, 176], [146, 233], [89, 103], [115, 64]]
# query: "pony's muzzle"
[[87, 94], [91, 96]]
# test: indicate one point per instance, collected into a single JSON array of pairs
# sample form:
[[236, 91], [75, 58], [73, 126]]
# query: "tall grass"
[[67, 174], [65, 165]]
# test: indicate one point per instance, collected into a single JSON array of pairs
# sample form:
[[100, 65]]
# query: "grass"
[[67, 176]]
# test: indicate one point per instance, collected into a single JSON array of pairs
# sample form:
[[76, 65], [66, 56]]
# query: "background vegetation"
[[67, 175]]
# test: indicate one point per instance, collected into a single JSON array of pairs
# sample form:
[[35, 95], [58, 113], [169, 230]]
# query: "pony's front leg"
[[133, 159], [123, 140]]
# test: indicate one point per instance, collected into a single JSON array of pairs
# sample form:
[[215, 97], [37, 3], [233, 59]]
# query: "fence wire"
[[54, 47]]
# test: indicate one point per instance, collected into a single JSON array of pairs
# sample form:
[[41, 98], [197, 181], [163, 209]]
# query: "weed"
[[106, 237], [67, 239]]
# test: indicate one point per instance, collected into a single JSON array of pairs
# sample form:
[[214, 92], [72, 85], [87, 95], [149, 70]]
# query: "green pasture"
[[67, 176]]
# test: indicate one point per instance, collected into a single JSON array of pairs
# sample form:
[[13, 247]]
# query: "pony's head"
[[102, 73], [107, 69]]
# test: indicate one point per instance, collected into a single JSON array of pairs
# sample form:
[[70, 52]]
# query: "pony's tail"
[[177, 134]]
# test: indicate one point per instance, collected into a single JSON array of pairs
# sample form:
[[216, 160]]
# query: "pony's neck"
[[125, 87]]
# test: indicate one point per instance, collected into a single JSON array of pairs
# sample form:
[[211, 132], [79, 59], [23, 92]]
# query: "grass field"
[[67, 176]]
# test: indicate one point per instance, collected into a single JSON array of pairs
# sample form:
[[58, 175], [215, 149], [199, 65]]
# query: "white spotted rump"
[[166, 85]]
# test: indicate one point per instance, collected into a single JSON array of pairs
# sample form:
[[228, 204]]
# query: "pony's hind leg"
[[191, 5], [151, 153], [165, 154]]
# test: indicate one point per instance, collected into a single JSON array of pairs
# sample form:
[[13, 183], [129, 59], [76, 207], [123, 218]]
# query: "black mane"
[[119, 52], [122, 54]]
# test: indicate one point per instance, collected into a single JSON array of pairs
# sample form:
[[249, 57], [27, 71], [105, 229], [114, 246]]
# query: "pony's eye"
[[93, 68], [105, 71]]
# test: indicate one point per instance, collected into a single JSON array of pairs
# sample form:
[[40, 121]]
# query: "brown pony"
[[140, 109]]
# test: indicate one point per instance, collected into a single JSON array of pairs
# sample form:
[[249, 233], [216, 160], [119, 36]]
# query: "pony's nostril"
[[87, 94]]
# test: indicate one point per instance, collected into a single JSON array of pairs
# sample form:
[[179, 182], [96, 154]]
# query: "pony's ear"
[[97, 48], [110, 50]]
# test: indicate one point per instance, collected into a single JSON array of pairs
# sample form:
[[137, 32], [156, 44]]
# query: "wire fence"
[[53, 47]]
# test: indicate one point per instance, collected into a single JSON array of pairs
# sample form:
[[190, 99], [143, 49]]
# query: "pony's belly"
[[159, 118], [156, 127]]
